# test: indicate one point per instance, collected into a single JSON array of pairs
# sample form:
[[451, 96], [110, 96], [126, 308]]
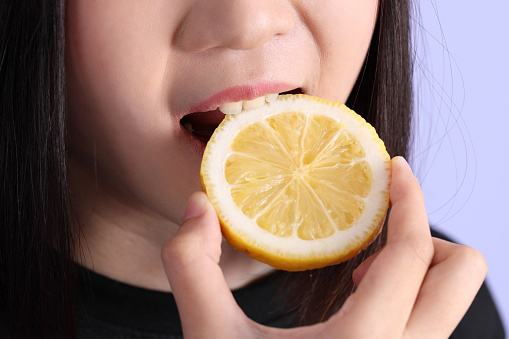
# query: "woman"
[[97, 168]]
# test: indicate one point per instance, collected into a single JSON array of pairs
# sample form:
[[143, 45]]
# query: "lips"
[[202, 125]]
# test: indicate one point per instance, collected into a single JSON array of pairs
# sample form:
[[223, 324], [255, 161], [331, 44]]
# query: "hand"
[[415, 287]]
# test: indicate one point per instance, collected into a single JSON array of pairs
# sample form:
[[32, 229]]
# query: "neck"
[[123, 241]]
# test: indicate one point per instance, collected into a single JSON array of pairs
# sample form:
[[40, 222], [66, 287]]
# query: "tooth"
[[188, 127], [236, 107], [271, 97], [231, 107], [255, 103]]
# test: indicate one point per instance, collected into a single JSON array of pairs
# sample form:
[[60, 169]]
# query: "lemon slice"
[[300, 183]]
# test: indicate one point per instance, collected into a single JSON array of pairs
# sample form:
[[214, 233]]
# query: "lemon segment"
[[299, 183]]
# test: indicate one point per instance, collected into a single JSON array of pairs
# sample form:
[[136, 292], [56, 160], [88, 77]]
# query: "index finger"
[[386, 295]]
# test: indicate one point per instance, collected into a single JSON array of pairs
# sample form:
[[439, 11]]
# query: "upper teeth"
[[236, 107]]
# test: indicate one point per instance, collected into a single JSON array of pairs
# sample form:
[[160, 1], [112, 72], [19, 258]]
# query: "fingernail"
[[402, 162], [196, 205]]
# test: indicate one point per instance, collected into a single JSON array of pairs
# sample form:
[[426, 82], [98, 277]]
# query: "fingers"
[[455, 276], [206, 305], [416, 286], [386, 294]]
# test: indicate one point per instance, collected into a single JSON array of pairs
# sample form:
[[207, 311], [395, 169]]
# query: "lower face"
[[139, 71]]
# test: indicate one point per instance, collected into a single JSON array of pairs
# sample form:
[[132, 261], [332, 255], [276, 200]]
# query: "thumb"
[[191, 261]]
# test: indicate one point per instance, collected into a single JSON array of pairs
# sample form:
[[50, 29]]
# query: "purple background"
[[461, 156]]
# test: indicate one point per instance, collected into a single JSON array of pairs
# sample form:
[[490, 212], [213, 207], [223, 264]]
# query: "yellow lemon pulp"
[[300, 183], [309, 186]]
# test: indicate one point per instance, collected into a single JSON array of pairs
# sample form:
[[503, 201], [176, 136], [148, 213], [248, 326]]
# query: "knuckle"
[[170, 254], [422, 250], [472, 261], [167, 252], [175, 252]]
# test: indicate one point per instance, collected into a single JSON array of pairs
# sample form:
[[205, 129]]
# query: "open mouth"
[[202, 125]]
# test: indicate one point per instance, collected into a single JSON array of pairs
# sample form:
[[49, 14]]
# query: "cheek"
[[106, 101], [119, 121], [343, 31], [113, 58]]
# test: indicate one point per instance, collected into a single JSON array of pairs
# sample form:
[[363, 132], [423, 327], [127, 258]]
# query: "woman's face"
[[137, 68]]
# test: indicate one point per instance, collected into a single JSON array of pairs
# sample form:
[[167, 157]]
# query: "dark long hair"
[[35, 229], [36, 239], [383, 96]]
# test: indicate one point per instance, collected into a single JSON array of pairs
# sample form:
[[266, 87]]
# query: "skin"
[[134, 68]]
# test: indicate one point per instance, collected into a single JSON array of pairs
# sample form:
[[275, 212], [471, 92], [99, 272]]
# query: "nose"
[[234, 24]]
